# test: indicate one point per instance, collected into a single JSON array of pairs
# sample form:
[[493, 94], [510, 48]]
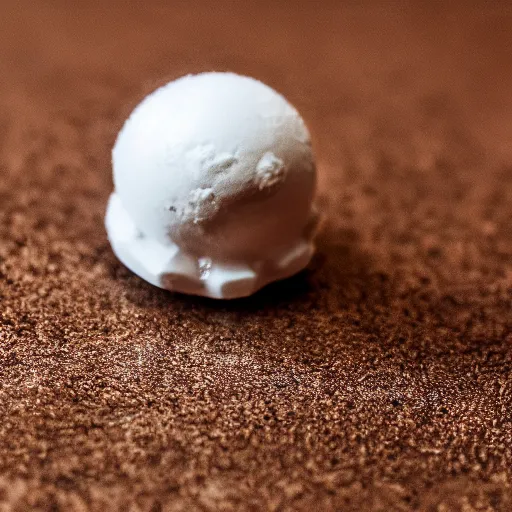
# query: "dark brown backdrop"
[[379, 380]]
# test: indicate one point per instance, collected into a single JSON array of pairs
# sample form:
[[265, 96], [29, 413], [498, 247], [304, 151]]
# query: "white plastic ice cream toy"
[[214, 181]]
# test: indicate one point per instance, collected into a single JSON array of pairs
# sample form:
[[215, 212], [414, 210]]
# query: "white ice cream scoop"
[[214, 182]]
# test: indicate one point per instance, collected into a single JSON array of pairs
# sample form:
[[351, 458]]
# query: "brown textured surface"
[[380, 380]]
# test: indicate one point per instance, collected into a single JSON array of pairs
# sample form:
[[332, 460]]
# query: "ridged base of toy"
[[168, 267]]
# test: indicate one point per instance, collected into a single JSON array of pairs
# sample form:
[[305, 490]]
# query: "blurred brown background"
[[379, 380]]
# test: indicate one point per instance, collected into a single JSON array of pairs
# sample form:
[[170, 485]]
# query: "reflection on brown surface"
[[380, 380]]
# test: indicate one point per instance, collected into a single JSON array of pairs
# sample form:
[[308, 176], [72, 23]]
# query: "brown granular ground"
[[378, 380]]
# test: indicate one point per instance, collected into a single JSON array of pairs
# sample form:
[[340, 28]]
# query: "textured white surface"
[[214, 180]]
